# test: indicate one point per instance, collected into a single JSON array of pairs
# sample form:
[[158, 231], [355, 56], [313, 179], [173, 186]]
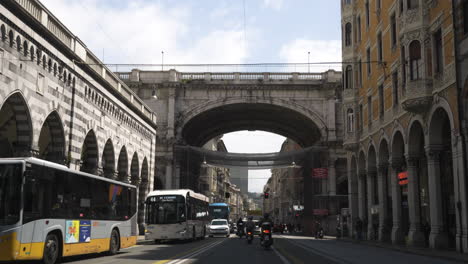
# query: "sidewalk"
[[443, 254]]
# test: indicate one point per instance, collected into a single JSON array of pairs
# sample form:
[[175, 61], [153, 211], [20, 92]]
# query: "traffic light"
[[265, 195]]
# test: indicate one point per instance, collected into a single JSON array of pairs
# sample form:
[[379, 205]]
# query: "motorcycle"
[[250, 237], [266, 236], [240, 230]]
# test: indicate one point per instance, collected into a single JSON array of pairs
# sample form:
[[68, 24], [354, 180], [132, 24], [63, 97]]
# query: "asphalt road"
[[286, 250]]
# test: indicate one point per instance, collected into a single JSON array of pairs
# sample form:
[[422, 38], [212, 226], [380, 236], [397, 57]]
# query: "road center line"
[[194, 254], [187, 253], [283, 259]]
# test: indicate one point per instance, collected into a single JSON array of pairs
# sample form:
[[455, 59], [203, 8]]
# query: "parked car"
[[219, 227]]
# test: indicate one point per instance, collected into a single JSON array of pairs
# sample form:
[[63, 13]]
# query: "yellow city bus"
[[48, 211]]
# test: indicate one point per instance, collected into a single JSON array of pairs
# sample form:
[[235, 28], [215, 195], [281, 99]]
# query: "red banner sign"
[[320, 211], [320, 173], [403, 178]]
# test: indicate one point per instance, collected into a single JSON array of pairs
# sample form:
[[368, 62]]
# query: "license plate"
[[267, 238]]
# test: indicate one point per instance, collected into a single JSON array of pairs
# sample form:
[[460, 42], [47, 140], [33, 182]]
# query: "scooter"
[[266, 236], [250, 237], [240, 230]]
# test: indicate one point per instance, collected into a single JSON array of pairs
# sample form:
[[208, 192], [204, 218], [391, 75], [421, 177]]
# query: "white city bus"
[[48, 211], [176, 214]]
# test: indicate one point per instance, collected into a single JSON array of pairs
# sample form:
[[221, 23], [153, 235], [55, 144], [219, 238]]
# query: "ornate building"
[[405, 151]]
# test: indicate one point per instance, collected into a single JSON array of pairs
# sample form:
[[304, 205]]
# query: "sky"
[[209, 32]]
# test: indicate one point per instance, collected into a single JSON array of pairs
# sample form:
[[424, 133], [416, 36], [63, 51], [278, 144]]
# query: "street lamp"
[[308, 61], [162, 60]]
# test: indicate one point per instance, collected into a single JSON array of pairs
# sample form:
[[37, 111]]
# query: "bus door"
[[32, 198]]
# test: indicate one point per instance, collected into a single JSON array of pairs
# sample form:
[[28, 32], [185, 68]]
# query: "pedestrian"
[[359, 228]]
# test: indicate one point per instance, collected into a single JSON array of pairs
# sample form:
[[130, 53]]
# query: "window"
[[361, 117], [349, 77], [403, 67], [395, 88], [40, 83], [358, 29], [369, 110], [465, 16], [360, 72], [402, 7], [368, 55], [411, 4], [438, 58], [393, 30], [367, 14], [381, 101], [378, 6], [10, 193], [415, 60], [350, 120], [379, 47], [2, 53], [348, 30]]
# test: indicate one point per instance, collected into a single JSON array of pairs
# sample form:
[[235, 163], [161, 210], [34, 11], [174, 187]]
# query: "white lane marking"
[[283, 259], [187, 257], [319, 252]]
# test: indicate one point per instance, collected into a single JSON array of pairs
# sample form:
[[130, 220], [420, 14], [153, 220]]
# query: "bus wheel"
[[51, 249], [114, 242]]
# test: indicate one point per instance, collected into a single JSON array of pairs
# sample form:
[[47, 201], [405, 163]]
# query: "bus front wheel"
[[51, 249], [114, 242]]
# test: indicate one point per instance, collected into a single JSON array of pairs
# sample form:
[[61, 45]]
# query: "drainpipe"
[[461, 118], [72, 115]]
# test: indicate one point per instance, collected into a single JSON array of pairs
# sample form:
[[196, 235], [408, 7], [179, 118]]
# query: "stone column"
[[371, 177], [362, 196], [168, 175], [438, 237], [352, 201], [460, 180], [332, 177], [384, 233], [397, 233], [415, 235]]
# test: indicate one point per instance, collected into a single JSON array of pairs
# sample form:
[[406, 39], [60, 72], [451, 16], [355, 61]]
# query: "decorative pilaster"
[[371, 177], [332, 177], [397, 232], [415, 235], [438, 237], [362, 196], [352, 200], [384, 229]]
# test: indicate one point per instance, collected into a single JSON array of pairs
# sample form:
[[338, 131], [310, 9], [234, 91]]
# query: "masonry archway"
[[400, 197], [362, 189], [143, 191], [440, 167], [108, 160], [417, 156], [135, 170], [89, 154], [15, 128], [303, 127], [52, 139], [372, 195], [385, 191], [122, 165]]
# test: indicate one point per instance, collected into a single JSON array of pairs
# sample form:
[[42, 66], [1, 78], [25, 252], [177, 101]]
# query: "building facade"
[[405, 163]]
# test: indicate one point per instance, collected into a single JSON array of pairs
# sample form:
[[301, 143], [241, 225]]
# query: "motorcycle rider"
[[250, 225], [240, 227]]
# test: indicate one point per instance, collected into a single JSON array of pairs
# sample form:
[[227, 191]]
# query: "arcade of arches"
[[17, 140], [403, 186]]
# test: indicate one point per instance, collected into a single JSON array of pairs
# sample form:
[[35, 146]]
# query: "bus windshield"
[[165, 209], [219, 212], [10, 193]]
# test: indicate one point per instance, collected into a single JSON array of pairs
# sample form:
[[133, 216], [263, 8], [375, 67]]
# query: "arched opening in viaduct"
[[52, 139], [108, 160], [15, 127], [89, 153]]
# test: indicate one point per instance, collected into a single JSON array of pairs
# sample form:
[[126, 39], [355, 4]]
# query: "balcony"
[[351, 141], [418, 96]]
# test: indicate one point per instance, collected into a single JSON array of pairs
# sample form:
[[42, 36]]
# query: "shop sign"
[[320, 173], [320, 211], [403, 178]]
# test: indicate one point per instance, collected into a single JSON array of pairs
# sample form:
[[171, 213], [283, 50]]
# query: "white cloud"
[[274, 4], [297, 50], [138, 31]]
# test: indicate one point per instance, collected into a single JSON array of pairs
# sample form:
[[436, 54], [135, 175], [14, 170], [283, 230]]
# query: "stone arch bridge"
[[193, 108]]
